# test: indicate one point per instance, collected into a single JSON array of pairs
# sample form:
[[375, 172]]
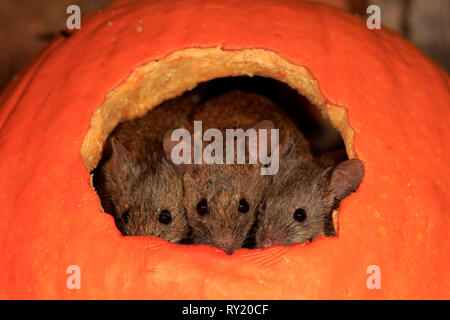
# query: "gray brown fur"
[[297, 185], [304, 185], [135, 175], [238, 109], [224, 185]]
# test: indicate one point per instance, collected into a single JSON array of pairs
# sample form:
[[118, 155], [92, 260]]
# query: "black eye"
[[300, 215], [126, 216], [165, 217], [202, 207], [243, 206]]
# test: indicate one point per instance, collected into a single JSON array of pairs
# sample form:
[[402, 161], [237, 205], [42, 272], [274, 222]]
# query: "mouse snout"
[[266, 243], [272, 240], [226, 243]]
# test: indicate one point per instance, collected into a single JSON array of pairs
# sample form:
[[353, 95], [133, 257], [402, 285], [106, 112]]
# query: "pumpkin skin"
[[397, 102]]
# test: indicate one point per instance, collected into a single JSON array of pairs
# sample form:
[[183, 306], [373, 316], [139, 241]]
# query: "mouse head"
[[221, 200], [298, 205], [146, 195]]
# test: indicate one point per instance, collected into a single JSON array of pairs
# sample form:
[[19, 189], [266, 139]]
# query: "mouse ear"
[[251, 151], [266, 125], [120, 155], [346, 177], [286, 147], [288, 150], [178, 153]]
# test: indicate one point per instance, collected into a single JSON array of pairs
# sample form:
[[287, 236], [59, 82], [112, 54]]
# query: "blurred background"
[[26, 26]]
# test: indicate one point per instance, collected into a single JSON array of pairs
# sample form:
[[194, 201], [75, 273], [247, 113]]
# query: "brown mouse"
[[221, 199], [298, 205], [135, 181]]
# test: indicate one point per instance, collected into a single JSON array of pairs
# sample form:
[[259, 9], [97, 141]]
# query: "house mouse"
[[221, 199], [298, 205], [136, 183]]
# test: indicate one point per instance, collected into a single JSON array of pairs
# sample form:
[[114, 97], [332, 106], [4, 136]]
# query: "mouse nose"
[[267, 243], [226, 243], [273, 239]]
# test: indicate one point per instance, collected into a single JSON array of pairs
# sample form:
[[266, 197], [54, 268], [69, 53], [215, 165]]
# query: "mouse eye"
[[243, 206], [202, 207], [300, 215], [165, 217], [126, 216]]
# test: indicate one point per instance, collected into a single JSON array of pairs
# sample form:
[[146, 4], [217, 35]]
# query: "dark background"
[[26, 26]]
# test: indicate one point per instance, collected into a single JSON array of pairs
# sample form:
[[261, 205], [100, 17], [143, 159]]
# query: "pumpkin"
[[389, 101]]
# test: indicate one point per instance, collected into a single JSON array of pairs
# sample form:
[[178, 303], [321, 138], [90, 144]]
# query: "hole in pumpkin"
[[319, 131]]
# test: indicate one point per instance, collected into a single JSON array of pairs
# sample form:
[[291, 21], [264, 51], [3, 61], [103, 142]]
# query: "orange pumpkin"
[[390, 102]]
